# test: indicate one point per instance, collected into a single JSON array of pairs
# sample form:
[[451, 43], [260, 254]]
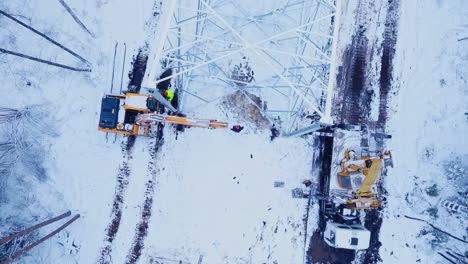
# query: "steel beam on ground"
[[310, 129]]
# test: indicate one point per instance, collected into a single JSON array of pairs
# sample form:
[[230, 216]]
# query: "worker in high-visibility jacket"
[[169, 95]]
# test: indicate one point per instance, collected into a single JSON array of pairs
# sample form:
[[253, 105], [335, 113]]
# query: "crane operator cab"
[[119, 113]]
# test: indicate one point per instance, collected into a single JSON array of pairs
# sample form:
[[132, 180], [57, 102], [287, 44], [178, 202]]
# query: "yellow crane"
[[361, 175], [134, 114]]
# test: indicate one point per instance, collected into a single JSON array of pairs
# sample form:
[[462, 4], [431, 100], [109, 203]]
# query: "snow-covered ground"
[[429, 128], [215, 194], [214, 198], [79, 165]]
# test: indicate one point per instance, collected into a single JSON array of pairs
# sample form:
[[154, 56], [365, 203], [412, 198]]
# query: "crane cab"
[[119, 113]]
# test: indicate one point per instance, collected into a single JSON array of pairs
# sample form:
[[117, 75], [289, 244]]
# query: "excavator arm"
[[371, 178]]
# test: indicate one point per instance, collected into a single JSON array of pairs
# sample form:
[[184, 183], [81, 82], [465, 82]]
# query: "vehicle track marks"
[[373, 220], [116, 214], [141, 230], [123, 176]]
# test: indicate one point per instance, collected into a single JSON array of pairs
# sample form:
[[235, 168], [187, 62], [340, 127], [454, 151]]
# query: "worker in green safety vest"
[[169, 95]]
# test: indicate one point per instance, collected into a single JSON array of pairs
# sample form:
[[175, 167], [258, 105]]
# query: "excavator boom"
[[371, 176]]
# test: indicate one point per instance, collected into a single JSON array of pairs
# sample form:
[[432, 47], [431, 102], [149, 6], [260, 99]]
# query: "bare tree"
[[8, 158], [9, 114], [8, 152], [23, 144], [9, 248]]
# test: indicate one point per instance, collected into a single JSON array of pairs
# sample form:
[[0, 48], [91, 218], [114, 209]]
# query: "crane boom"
[[152, 118]]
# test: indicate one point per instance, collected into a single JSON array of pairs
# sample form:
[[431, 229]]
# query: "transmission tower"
[[282, 49]]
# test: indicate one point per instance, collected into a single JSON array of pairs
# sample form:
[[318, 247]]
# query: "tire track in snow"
[[123, 176], [116, 214], [388, 53], [141, 229], [348, 107], [354, 106], [373, 219], [136, 76]]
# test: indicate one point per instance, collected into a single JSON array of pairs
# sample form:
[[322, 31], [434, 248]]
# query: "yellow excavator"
[[352, 186], [134, 114], [360, 175]]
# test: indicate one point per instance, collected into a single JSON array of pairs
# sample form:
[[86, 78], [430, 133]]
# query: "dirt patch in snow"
[[246, 107], [138, 71], [320, 252]]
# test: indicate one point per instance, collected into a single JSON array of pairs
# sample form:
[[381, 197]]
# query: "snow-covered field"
[[79, 165], [429, 127], [214, 199]]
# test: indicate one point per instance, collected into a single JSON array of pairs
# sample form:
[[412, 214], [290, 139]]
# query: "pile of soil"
[[246, 107]]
